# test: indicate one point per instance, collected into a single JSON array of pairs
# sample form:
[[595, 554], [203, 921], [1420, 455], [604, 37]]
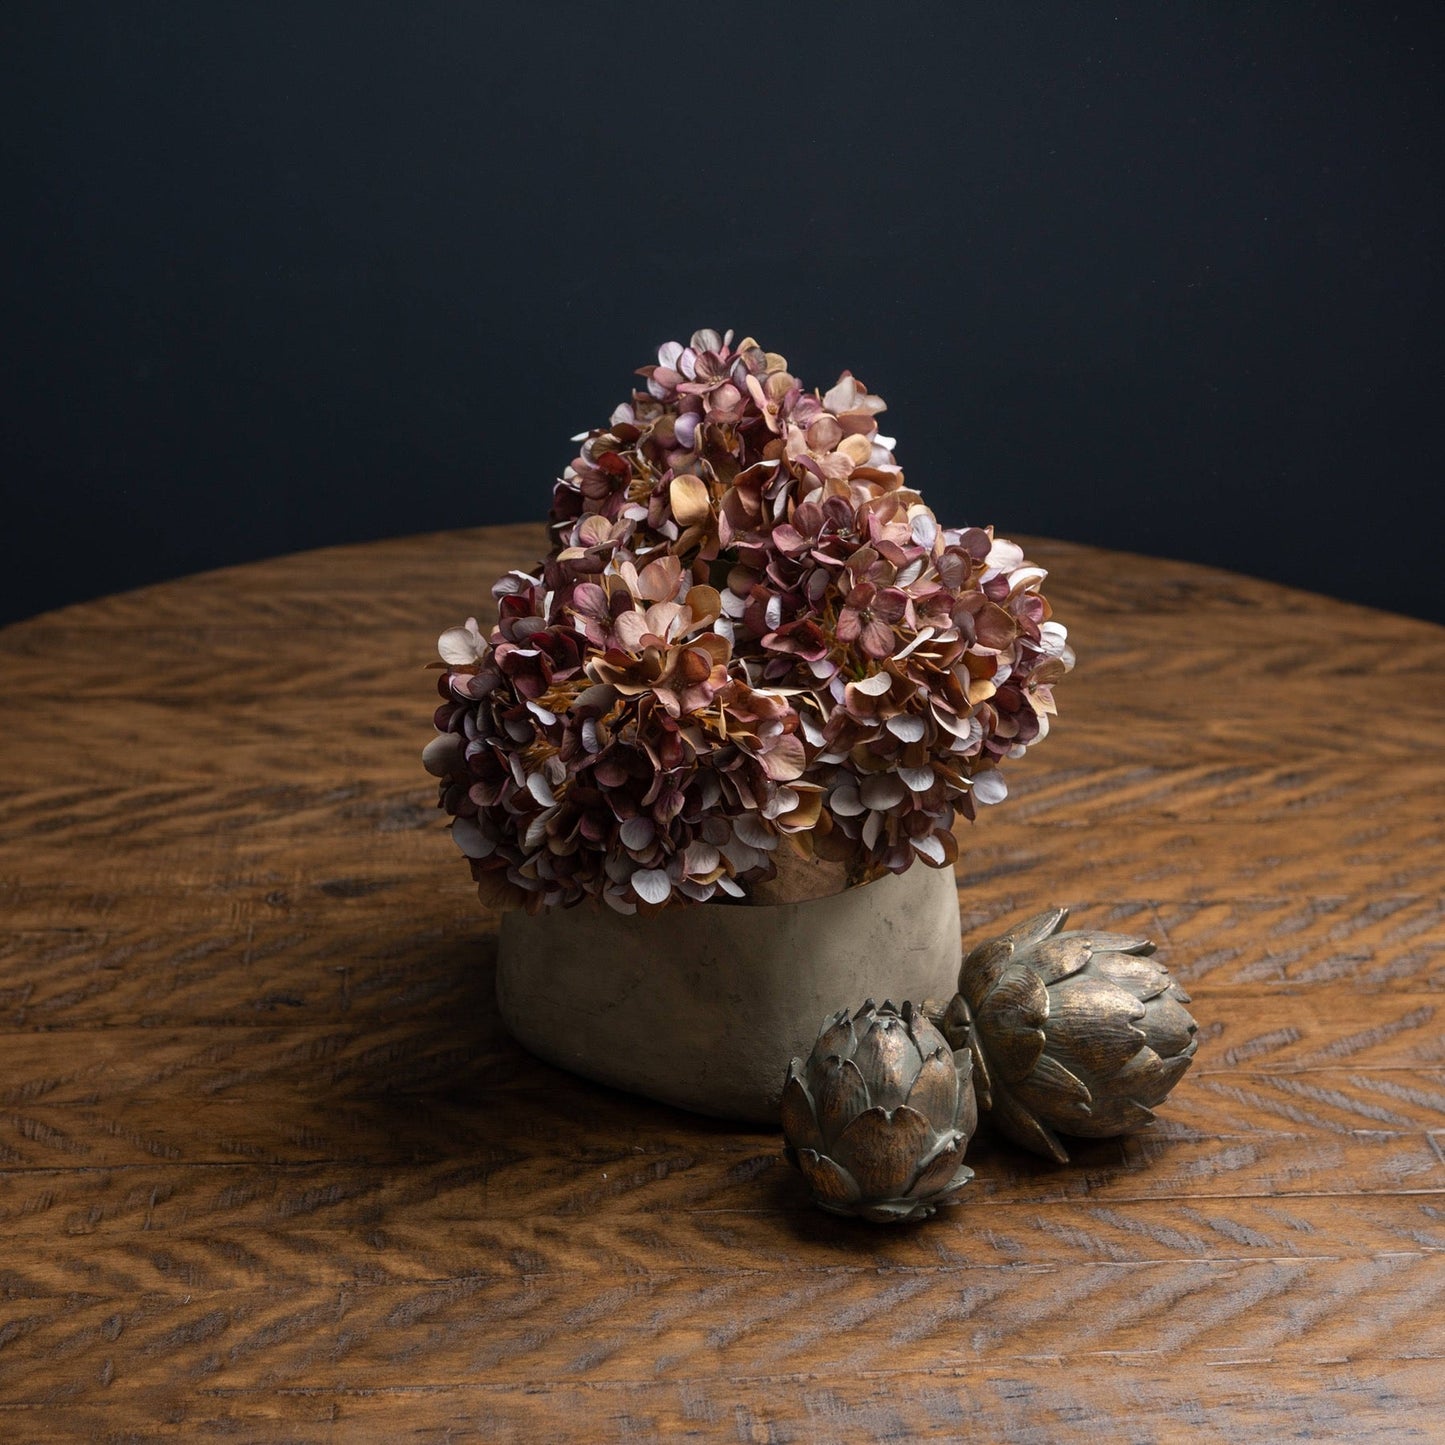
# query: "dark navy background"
[[1162, 277]]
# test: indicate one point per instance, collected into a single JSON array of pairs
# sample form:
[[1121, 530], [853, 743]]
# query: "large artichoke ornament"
[[879, 1117], [1071, 1033]]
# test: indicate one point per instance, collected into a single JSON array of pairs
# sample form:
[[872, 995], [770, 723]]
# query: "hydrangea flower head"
[[750, 633]]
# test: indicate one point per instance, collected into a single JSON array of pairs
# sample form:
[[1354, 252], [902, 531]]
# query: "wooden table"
[[270, 1169]]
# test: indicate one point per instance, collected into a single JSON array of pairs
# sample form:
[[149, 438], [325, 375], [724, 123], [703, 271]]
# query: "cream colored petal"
[[689, 500]]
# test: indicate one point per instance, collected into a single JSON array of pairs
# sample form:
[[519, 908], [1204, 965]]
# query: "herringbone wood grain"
[[270, 1169]]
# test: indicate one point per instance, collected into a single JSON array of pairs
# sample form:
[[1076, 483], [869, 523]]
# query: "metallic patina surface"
[[1072, 1033]]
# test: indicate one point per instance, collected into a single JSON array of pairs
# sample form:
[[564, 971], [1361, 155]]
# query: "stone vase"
[[703, 1007]]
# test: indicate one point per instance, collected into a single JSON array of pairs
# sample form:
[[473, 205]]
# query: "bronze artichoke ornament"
[[880, 1115], [1071, 1033]]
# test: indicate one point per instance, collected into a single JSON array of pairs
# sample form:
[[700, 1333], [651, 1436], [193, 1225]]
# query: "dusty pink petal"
[[590, 600], [667, 619], [789, 540], [785, 759], [890, 604], [878, 639], [630, 628], [824, 434], [657, 582], [726, 400]]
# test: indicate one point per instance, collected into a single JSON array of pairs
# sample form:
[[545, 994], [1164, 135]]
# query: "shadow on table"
[[423, 1081], [1002, 1172], [427, 1075]]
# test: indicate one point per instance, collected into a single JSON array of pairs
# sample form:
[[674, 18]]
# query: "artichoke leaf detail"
[[878, 1117], [1076, 1033]]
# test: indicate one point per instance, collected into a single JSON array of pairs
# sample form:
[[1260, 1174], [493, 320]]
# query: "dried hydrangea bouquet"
[[734, 714]]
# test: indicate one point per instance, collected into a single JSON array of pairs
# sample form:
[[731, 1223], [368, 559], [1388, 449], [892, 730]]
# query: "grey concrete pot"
[[703, 1007]]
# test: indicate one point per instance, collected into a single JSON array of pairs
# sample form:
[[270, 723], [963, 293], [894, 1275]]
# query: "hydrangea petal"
[[652, 885]]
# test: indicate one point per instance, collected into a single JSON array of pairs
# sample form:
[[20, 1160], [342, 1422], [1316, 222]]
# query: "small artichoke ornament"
[[879, 1117], [1073, 1032]]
